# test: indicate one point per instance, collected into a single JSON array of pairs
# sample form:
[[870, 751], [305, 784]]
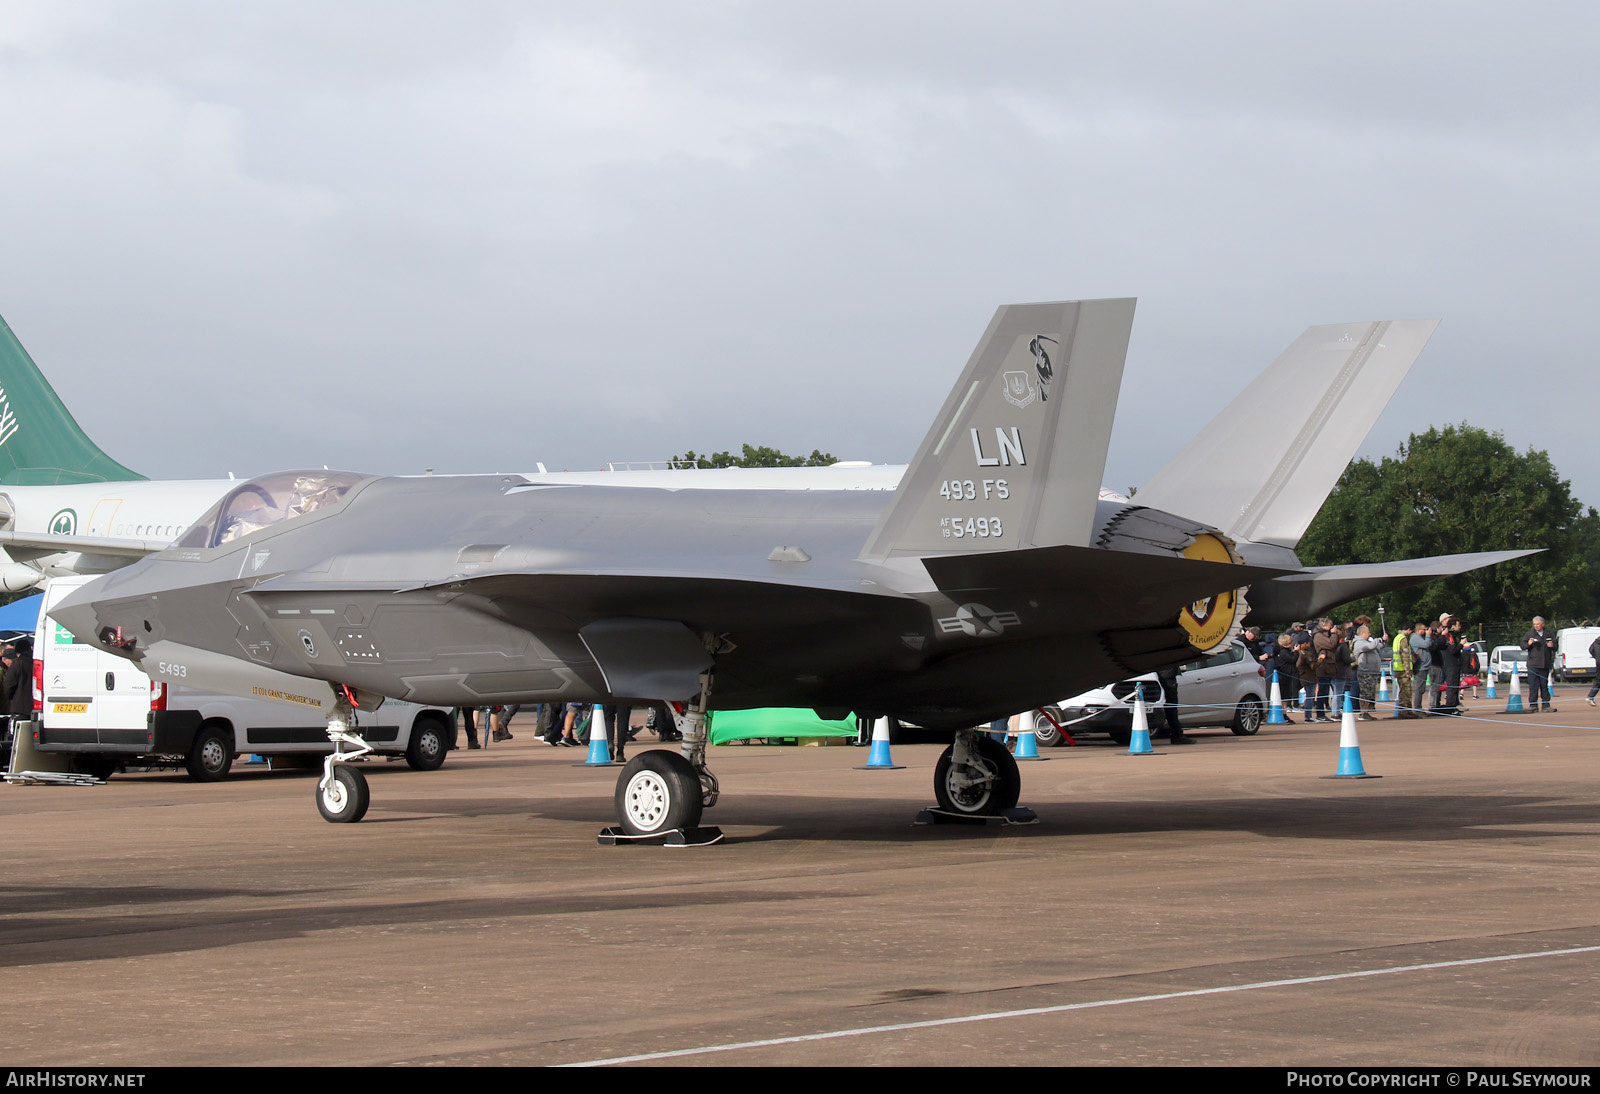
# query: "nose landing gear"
[[342, 794]]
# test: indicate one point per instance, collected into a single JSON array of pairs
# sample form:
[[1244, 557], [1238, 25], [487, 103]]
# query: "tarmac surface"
[[1218, 904]]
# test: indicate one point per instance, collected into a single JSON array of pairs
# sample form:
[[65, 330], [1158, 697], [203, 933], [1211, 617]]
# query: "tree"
[[1458, 489], [754, 457]]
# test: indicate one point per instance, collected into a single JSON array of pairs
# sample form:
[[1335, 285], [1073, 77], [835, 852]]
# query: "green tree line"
[[754, 456], [1461, 489]]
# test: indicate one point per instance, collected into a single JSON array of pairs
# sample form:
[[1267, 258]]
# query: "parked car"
[[1503, 657], [1226, 687]]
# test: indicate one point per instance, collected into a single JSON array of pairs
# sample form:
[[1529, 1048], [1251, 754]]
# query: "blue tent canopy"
[[21, 615]]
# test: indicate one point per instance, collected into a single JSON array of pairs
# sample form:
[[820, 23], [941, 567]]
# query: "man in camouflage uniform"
[[1404, 664]]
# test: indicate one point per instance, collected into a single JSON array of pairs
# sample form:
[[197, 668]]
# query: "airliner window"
[[269, 500]]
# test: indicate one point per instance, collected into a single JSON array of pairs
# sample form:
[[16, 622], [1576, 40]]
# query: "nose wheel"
[[342, 795]]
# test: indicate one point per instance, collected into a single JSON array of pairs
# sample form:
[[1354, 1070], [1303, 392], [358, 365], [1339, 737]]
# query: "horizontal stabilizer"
[[1263, 467], [1319, 588], [1164, 579]]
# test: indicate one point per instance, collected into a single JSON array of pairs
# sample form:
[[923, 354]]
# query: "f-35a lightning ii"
[[994, 579]]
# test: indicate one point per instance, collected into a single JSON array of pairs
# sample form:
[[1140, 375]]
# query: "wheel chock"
[[677, 837], [1017, 814]]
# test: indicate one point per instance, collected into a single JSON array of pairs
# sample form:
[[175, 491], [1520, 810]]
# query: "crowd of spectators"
[[1319, 664]]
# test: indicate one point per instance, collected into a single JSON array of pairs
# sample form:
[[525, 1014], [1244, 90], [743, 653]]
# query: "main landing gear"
[[661, 794], [976, 777], [342, 794]]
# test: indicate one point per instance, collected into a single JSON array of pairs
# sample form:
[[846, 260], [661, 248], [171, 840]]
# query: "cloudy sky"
[[390, 236]]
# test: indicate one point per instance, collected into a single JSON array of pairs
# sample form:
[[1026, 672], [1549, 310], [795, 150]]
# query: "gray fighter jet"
[[994, 579]]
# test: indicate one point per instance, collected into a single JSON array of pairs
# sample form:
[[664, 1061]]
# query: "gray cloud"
[[475, 236]]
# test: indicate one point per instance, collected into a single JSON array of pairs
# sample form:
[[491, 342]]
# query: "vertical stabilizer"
[[40, 443], [1263, 467], [1015, 457]]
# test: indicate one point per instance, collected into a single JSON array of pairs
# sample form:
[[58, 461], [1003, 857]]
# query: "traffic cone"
[[1383, 688], [878, 754], [599, 749], [1275, 716], [1349, 747], [1027, 742], [1489, 677], [1139, 739], [1514, 704]]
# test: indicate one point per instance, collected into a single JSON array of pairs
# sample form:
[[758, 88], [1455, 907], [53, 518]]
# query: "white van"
[[1573, 659], [104, 712]]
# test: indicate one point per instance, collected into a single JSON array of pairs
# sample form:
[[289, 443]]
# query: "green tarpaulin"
[[742, 725]]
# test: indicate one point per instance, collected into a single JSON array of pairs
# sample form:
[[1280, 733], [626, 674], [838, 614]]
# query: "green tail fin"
[[40, 443]]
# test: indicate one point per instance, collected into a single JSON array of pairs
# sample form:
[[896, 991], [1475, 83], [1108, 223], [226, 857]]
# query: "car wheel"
[[1120, 736], [998, 787], [430, 741], [346, 797], [1247, 717], [1044, 730], [657, 792], [211, 754]]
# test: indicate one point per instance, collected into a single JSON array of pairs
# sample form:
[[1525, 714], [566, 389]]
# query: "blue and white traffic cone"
[[1275, 715], [878, 754], [1383, 687], [1514, 704], [1349, 747], [1139, 739], [599, 748], [1027, 741], [1490, 679]]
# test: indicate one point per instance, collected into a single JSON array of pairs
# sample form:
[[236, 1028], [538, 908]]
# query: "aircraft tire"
[[346, 798], [658, 791], [1001, 792], [211, 755], [430, 743], [1247, 718], [1045, 732]]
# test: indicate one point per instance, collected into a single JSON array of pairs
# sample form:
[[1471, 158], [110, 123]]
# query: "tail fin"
[[1015, 457], [40, 443], [1305, 416]]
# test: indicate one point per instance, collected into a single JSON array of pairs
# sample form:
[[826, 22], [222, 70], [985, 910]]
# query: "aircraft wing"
[[25, 545], [1299, 596]]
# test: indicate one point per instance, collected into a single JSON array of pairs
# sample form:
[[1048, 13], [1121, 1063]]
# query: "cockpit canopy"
[[262, 502]]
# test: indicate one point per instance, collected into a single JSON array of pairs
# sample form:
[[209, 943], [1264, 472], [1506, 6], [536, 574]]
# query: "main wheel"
[[1045, 731], [998, 784], [211, 754], [657, 792], [345, 799], [1247, 717], [430, 740]]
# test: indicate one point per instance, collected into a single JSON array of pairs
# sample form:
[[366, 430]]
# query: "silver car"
[[1225, 688]]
